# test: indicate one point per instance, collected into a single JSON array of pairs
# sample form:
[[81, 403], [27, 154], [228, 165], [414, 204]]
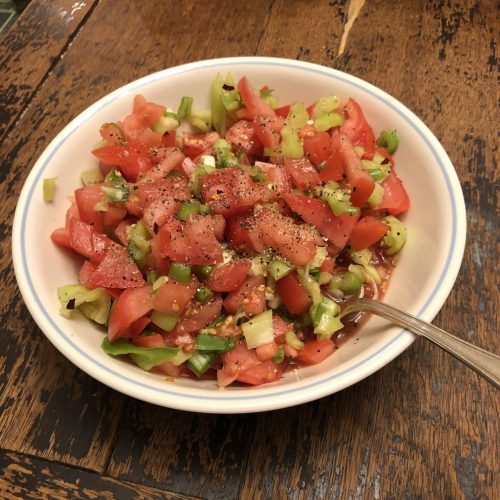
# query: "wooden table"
[[422, 427]]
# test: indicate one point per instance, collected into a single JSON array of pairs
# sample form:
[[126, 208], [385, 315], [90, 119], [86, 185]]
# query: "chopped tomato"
[[129, 307], [334, 169], [193, 241], [366, 232], [302, 172], [229, 277], [395, 199], [238, 233], [243, 137], [172, 159], [61, 237], [173, 297], [336, 228], [117, 270], [362, 184], [328, 265], [198, 316], [113, 216], [267, 351], [268, 129], [196, 145], [88, 242], [250, 297], [315, 351], [87, 198], [131, 160], [356, 128], [149, 341], [85, 273], [229, 191], [161, 264], [283, 111], [138, 326], [264, 373], [276, 182], [293, 294], [317, 147], [254, 103]]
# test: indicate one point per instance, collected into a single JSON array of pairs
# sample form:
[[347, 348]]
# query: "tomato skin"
[[149, 341], [267, 129], [335, 164], [86, 198], [192, 242], [243, 138], [315, 351], [293, 294], [129, 307], [395, 199], [60, 236], [85, 273], [132, 160], [229, 191], [197, 316], [172, 159], [237, 235], [198, 144], [229, 277], [264, 373], [317, 147], [173, 297], [117, 270], [356, 127], [336, 228], [88, 242], [138, 326], [279, 179], [250, 296], [302, 173], [255, 104], [283, 111], [366, 232]]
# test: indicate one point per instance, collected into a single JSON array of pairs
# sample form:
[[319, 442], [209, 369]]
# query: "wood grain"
[[422, 427], [32, 478], [31, 48]]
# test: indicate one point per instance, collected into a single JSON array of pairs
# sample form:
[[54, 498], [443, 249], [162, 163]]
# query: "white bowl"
[[421, 282]]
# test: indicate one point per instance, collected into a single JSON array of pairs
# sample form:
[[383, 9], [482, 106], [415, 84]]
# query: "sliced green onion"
[[325, 317], [200, 362], [167, 122], [279, 268], [224, 154], [311, 286], [293, 341], [362, 257], [201, 119], [255, 172], [92, 176], [94, 304], [395, 237], [180, 272], [377, 171], [314, 273], [207, 342], [216, 106], [280, 357], [319, 257], [191, 207], [389, 140], [139, 242], [114, 177], [163, 320], [151, 276], [359, 150], [49, 189], [185, 107], [203, 295], [350, 283], [231, 100], [180, 357], [117, 193], [203, 272], [259, 329], [160, 281], [321, 165], [199, 172]]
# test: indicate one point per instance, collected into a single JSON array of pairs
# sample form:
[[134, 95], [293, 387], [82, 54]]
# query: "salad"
[[224, 243]]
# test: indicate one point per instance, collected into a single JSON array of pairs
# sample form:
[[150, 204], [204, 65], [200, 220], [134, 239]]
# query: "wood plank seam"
[[51, 69]]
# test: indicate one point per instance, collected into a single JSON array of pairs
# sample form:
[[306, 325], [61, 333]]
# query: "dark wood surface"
[[422, 427]]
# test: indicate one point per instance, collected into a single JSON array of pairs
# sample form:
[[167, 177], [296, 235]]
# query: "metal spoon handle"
[[483, 362]]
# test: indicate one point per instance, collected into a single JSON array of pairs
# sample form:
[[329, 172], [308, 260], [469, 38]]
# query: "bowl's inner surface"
[[416, 285]]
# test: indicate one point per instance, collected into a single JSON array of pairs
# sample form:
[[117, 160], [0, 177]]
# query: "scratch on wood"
[[355, 7]]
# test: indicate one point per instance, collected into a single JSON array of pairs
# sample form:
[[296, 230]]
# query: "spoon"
[[482, 362]]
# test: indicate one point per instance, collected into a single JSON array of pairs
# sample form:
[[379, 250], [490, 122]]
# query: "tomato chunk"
[[173, 297], [317, 147], [293, 294], [302, 173], [129, 307], [229, 277], [250, 296], [315, 351], [255, 104], [366, 232], [395, 199]]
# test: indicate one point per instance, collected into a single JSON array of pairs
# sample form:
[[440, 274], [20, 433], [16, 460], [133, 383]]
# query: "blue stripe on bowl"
[[194, 67]]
